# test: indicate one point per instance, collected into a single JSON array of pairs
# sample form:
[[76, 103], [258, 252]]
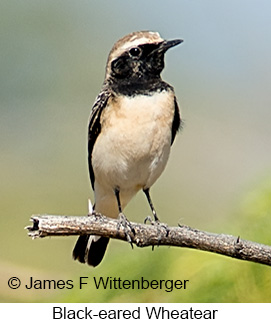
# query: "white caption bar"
[[132, 312]]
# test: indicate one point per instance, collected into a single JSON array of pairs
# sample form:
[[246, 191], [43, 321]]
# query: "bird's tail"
[[90, 249]]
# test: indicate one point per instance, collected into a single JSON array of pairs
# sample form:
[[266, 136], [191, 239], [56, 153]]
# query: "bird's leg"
[[92, 212], [147, 193], [117, 194], [156, 220], [123, 221]]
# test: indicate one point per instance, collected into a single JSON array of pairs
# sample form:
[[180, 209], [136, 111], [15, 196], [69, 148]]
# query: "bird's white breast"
[[134, 144]]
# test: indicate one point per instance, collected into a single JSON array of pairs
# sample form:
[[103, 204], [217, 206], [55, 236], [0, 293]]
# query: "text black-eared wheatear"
[[133, 124]]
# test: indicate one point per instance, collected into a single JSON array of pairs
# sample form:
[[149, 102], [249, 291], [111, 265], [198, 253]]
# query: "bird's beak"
[[165, 45]]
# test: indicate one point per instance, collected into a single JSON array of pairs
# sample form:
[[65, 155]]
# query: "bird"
[[132, 126]]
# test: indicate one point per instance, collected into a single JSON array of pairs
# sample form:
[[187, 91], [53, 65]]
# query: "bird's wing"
[[177, 121], [94, 127]]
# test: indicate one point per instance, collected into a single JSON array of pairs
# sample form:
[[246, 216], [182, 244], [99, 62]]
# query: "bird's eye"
[[135, 52]]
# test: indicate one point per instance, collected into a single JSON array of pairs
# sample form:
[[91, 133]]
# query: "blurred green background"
[[53, 55]]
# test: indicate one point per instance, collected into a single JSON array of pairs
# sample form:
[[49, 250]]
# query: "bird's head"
[[138, 56]]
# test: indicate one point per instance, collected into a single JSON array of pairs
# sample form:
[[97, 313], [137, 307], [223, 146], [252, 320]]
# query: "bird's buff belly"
[[129, 159], [133, 147]]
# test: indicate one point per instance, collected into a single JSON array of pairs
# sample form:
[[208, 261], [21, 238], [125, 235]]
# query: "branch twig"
[[150, 235]]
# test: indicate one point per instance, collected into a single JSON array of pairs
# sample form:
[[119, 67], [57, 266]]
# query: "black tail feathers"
[[90, 249]]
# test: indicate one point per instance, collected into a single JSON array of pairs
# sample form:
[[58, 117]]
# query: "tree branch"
[[144, 235]]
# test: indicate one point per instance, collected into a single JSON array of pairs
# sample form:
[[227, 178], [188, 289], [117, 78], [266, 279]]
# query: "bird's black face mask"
[[142, 62]]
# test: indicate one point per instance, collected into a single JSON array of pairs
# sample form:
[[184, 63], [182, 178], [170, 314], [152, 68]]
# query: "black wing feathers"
[[176, 124], [94, 127]]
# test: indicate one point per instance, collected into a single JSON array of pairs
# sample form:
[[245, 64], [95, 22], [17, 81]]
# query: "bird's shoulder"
[[98, 106]]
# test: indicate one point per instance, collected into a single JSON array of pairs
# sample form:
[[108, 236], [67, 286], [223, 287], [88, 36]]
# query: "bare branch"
[[144, 235]]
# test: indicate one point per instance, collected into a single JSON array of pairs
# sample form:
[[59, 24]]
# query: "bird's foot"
[[96, 215], [161, 228], [127, 227]]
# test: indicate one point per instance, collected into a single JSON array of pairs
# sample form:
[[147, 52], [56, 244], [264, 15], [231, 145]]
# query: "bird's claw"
[[148, 219], [127, 227]]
